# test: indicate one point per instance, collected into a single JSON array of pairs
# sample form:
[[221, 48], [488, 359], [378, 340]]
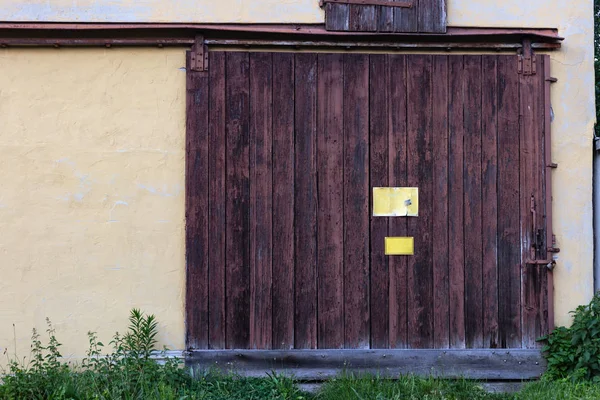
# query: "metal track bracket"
[[527, 60], [199, 55]]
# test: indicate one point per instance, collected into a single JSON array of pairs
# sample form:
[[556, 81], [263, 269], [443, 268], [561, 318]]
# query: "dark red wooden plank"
[[456, 252], [306, 202], [356, 200], [283, 200], [489, 176], [533, 284], [473, 206], [337, 17], [441, 309], [238, 201], [432, 16], [197, 209], [363, 18], [379, 96], [407, 19], [330, 201], [397, 138], [509, 244], [419, 160], [216, 193], [261, 201]]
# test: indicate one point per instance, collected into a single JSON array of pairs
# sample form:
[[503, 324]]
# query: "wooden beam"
[[311, 365]]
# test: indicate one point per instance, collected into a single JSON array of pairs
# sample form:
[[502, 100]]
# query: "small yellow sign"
[[399, 246], [395, 202]]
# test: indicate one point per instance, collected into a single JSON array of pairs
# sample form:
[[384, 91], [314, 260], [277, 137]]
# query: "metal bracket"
[[527, 60], [385, 3], [199, 55]]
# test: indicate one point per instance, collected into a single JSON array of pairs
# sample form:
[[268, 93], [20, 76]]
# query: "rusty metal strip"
[[385, 3], [162, 30], [293, 44]]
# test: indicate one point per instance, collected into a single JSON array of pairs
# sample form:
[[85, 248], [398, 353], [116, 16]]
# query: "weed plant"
[[128, 371]]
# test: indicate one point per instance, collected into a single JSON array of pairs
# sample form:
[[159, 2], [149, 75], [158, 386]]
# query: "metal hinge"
[[199, 55], [527, 60], [385, 3]]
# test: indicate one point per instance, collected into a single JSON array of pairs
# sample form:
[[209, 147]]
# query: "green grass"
[[413, 388]]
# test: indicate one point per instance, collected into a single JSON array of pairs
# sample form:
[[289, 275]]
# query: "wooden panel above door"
[[424, 16]]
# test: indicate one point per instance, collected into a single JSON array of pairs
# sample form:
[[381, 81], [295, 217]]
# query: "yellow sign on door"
[[395, 202], [399, 246]]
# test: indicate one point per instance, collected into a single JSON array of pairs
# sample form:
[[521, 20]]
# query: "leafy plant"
[[574, 352]]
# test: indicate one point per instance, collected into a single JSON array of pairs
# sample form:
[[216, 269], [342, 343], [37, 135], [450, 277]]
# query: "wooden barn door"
[[283, 252]]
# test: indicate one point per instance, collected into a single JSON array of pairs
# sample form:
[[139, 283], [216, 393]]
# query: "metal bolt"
[[520, 362], [504, 360], [537, 363]]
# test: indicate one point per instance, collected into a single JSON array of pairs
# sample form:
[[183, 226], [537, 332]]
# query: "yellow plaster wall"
[[92, 163], [91, 192]]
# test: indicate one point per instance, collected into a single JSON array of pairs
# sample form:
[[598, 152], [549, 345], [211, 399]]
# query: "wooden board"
[[398, 177], [473, 204], [426, 16], [306, 202], [379, 97], [261, 200], [509, 244], [456, 202], [356, 200], [238, 201], [317, 365], [419, 161], [330, 160], [489, 198], [217, 201], [197, 211], [441, 303], [283, 201]]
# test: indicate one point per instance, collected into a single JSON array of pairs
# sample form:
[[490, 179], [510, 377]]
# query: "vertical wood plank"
[[385, 21], [420, 269], [330, 201], [432, 16], [397, 139], [456, 203], [216, 193], [337, 17], [238, 199], [363, 18], [473, 206], [306, 202], [379, 86], [407, 19], [356, 200], [509, 244], [283, 200], [440, 203], [261, 201], [489, 211], [533, 283], [197, 209]]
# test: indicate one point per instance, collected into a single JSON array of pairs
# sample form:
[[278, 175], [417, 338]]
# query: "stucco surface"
[[92, 192], [92, 162]]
